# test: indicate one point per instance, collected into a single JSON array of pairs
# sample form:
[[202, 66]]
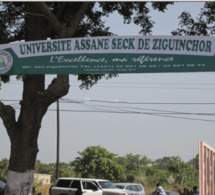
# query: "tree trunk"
[[24, 133], [23, 138]]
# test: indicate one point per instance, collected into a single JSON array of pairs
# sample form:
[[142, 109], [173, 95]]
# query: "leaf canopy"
[[13, 28]]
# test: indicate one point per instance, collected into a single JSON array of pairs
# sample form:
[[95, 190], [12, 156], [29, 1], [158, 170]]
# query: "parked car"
[[69, 186], [2, 187], [170, 192], [131, 188], [167, 192]]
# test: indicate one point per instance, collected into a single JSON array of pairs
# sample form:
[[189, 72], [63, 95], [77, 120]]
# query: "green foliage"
[[195, 162], [3, 169], [201, 26], [88, 80], [185, 192], [65, 169], [12, 23], [171, 171], [97, 162], [182, 173], [155, 175], [134, 166]]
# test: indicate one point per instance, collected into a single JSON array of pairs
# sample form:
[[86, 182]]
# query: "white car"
[[70, 186], [131, 188]]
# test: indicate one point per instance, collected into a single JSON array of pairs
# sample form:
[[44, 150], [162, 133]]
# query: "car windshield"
[[106, 184], [120, 187], [136, 188]]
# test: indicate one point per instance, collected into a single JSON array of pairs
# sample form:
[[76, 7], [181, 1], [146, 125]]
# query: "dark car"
[[168, 192], [171, 193]]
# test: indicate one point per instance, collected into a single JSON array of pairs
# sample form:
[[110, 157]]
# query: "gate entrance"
[[206, 169]]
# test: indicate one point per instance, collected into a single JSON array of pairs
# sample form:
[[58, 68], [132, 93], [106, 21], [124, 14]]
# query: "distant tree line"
[[98, 162]]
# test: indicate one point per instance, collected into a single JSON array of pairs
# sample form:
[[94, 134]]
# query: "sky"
[[164, 114]]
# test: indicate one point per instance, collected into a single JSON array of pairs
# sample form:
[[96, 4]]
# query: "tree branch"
[[50, 17], [7, 113], [55, 25], [61, 10], [79, 16], [58, 88]]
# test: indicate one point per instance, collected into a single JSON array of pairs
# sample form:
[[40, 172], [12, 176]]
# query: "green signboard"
[[113, 54]]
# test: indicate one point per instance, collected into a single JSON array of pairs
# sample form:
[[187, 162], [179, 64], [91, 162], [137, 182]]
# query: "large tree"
[[97, 162], [38, 21]]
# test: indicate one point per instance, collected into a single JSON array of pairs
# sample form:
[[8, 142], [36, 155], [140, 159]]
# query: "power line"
[[129, 110], [130, 83], [63, 100], [118, 112], [149, 87]]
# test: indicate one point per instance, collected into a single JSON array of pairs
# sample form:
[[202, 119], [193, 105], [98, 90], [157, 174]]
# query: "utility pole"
[[58, 141]]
